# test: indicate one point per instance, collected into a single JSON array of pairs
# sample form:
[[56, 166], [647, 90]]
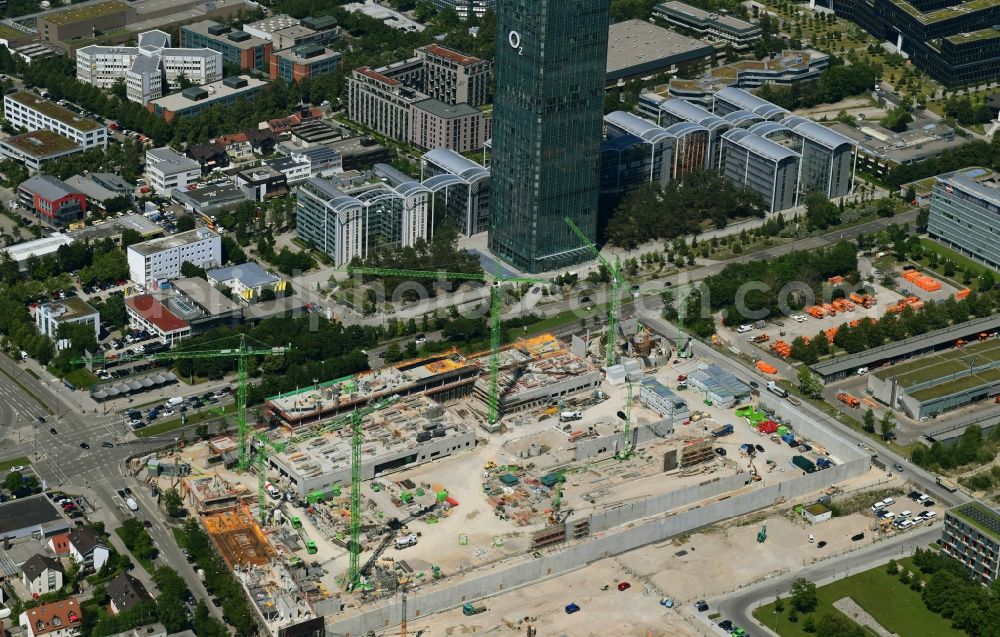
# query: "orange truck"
[[829, 309], [815, 311], [848, 400]]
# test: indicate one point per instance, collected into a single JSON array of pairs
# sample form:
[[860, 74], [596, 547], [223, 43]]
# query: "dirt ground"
[[633, 612]]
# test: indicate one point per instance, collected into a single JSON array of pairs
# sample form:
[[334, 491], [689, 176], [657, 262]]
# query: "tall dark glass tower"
[[547, 117]]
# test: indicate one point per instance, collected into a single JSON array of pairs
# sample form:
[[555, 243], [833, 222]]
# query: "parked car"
[[701, 605], [84, 445], [624, 586], [17, 467]]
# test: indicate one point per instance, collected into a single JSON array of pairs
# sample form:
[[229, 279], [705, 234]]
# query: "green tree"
[[185, 223], [887, 424], [809, 384], [869, 421], [803, 596], [172, 502]]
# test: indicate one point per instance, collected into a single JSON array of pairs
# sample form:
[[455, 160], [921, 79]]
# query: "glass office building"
[[965, 215], [547, 119]]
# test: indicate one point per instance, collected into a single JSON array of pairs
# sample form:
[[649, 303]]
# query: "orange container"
[[766, 368]]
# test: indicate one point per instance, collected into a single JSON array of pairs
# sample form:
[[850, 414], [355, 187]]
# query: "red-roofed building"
[[59, 544], [55, 619], [237, 145], [454, 77], [286, 124], [148, 313]]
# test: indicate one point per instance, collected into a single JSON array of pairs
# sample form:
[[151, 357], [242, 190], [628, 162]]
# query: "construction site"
[[392, 495]]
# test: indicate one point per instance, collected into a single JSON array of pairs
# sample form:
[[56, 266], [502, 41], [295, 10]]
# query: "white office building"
[[50, 316], [151, 262], [149, 68], [31, 112], [167, 170]]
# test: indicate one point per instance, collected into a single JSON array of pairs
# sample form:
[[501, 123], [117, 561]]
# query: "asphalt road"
[[738, 606]]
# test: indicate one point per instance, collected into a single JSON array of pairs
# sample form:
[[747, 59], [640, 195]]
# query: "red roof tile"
[[53, 616], [449, 54], [60, 543], [155, 312], [375, 75]]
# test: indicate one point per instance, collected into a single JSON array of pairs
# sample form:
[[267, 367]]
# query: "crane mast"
[[615, 270]]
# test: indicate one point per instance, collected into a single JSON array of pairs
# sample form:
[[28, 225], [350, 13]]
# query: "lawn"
[[146, 564], [563, 318], [81, 378], [962, 262], [193, 419], [893, 604], [7, 464]]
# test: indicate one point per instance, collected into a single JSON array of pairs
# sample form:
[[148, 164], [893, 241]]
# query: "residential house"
[[126, 592], [210, 156], [42, 574], [54, 619], [236, 146], [59, 544], [87, 548]]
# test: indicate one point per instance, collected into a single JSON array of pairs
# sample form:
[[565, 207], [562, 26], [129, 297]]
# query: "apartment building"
[[454, 77], [763, 165], [352, 223], [160, 259], [971, 535], [31, 112], [459, 127], [166, 170], [148, 67], [385, 99], [237, 47], [380, 102], [964, 214]]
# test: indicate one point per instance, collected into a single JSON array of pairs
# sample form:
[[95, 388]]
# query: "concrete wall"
[[433, 449], [607, 445], [528, 570]]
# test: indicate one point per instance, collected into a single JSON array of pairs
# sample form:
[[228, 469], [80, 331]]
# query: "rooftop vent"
[[236, 81], [238, 36], [218, 29]]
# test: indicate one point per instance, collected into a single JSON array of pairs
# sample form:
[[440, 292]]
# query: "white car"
[[17, 467], [743, 329], [927, 515], [905, 514], [905, 524], [799, 318], [923, 498], [167, 413], [887, 515]]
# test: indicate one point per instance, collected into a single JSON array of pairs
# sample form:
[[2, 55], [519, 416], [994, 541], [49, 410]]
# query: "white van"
[[406, 540], [175, 401]]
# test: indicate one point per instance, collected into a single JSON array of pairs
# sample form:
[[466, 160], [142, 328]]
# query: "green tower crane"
[[495, 281], [625, 452], [615, 270], [266, 447], [243, 353]]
